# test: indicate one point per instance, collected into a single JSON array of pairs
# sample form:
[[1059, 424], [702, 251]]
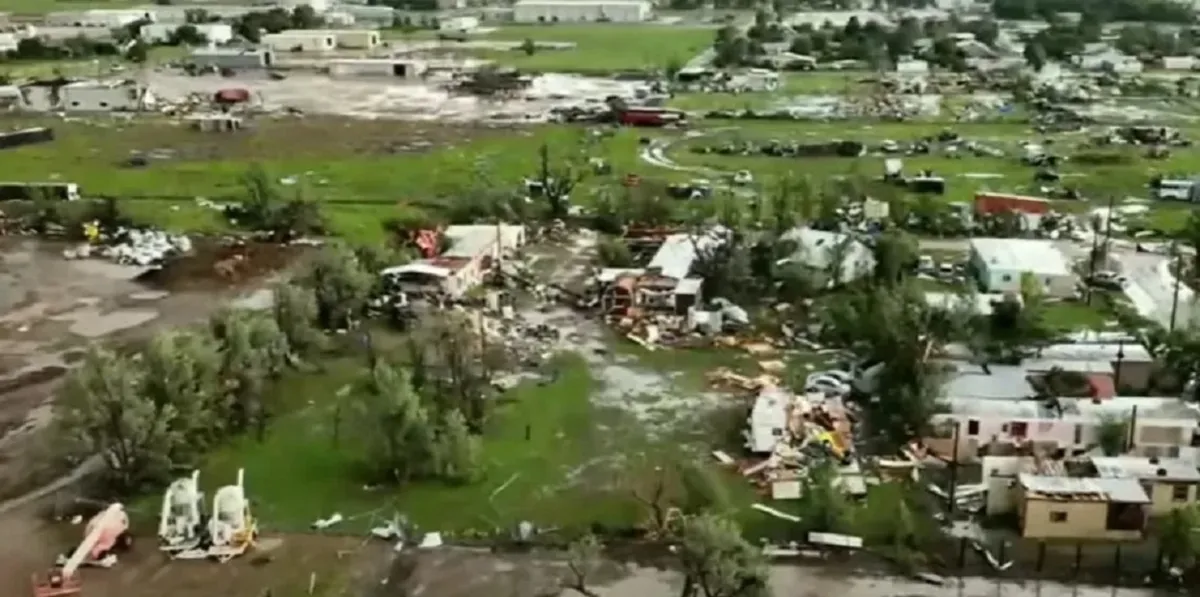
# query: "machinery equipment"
[[231, 529], [105, 533], [181, 524]]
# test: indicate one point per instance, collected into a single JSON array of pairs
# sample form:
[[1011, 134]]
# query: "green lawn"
[[1075, 316], [297, 474], [364, 171], [108, 66], [793, 84], [600, 47]]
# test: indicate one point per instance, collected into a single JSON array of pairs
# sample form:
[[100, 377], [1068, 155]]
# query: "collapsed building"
[[665, 284]]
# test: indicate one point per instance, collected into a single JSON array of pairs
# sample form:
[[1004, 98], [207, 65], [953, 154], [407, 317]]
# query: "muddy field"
[[386, 98], [53, 308]]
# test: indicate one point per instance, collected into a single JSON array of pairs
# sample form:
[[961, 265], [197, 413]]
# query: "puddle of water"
[[91, 323]]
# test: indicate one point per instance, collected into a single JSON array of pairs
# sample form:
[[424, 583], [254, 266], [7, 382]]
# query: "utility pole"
[[1178, 281], [953, 471], [1091, 266]]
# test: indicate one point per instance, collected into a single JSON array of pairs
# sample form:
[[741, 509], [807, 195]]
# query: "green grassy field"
[[600, 47], [321, 477], [965, 174], [45, 6], [101, 67], [363, 171]]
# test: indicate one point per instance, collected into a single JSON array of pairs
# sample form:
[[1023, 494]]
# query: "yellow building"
[[1051, 507]]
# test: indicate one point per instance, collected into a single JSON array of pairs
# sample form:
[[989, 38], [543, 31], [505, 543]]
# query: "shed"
[[1053, 507], [232, 58], [300, 41]]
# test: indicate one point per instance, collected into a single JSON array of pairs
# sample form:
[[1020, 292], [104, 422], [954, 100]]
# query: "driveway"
[[1151, 287]]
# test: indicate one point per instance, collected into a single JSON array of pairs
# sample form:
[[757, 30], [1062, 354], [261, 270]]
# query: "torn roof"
[[1120, 490], [1165, 469], [675, 257], [1170, 412], [1039, 257]]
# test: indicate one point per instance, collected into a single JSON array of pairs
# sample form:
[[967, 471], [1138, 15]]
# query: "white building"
[[8, 42], [550, 11], [1001, 263], [1110, 60], [100, 17], [300, 41], [217, 33], [319, 6], [321, 40], [474, 251], [376, 67], [86, 96], [458, 24]]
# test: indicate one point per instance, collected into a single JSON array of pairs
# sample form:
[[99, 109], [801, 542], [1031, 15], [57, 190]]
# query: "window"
[[1179, 492], [1173, 452], [1006, 278], [1058, 517], [777, 432], [1078, 434], [103, 104], [1020, 428], [972, 427]]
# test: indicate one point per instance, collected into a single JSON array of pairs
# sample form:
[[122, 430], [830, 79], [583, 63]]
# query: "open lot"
[[598, 48]]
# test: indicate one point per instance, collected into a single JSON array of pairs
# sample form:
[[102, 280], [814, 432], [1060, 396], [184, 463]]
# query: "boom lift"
[[181, 524], [105, 533], [231, 529]]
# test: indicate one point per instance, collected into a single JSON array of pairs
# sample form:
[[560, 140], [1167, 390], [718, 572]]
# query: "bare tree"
[[583, 559]]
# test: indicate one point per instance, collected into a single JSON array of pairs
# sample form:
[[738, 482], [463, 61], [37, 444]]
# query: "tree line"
[[878, 45]]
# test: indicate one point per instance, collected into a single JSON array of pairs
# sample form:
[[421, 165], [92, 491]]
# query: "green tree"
[[395, 427], [138, 53], [340, 284], [1178, 541], [295, 310], [103, 412], [182, 370], [1035, 55], [458, 452], [1112, 434], [823, 507], [718, 562]]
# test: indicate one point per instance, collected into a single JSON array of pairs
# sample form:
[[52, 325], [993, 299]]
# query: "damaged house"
[[665, 284], [839, 256], [474, 251]]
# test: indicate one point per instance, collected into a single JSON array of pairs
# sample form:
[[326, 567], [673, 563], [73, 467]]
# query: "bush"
[[613, 252]]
